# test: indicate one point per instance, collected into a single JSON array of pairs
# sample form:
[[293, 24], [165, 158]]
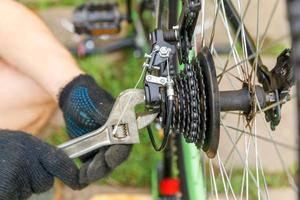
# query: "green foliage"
[[46, 4], [115, 72]]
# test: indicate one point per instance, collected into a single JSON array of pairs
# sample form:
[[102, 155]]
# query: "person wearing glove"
[[37, 75], [86, 107]]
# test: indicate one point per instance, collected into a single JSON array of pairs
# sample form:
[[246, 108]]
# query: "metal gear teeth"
[[185, 90], [190, 113], [203, 106], [191, 85], [176, 109]]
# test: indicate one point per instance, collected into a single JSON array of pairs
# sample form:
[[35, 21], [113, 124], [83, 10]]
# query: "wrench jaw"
[[122, 126], [123, 133]]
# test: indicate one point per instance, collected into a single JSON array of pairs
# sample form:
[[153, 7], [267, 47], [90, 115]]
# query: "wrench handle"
[[86, 143]]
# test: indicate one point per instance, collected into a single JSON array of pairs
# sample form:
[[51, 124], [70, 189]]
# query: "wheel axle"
[[242, 100]]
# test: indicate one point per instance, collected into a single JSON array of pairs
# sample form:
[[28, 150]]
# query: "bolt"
[[156, 47], [163, 50], [148, 78]]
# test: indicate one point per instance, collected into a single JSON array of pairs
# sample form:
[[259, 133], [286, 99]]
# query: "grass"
[[46, 4]]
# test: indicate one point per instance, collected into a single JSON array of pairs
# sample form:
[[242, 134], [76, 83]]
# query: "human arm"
[[32, 49], [28, 45]]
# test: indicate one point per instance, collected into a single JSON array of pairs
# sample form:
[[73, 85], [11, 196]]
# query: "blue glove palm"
[[86, 107]]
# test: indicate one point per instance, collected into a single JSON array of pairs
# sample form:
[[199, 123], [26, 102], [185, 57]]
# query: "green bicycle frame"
[[192, 162], [194, 171]]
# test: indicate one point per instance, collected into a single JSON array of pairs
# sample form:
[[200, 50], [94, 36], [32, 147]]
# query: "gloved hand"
[[86, 107], [28, 165]]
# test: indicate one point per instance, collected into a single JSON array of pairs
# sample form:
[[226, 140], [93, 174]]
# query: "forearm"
[[27, 44]]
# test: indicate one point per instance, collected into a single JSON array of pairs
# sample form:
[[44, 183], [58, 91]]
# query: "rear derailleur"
[[281, 80]]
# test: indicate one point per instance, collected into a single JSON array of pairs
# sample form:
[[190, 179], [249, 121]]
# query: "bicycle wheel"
[[257, 142], [243, 73]]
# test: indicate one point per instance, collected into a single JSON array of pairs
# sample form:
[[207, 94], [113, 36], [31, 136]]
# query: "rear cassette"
[[205, 62], [196, 109]]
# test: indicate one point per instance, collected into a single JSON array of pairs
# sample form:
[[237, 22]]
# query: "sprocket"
[[196, 111]]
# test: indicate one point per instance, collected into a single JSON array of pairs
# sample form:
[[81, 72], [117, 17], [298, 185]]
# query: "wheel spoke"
[[203, 23], [269, 23], [237, 150], [213, 179], [292, 148], [217, 9], [223, 170], [281, 102], [239, 68], [288, 174], [233, 49], [253, 55]]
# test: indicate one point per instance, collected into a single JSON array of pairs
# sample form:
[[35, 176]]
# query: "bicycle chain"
[[190, 108], [202, 106]]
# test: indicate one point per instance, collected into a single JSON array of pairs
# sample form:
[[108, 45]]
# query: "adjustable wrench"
[[121, 126]]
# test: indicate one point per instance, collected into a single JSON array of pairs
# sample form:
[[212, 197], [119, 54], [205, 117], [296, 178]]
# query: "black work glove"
[[28, 165], [86, 107]]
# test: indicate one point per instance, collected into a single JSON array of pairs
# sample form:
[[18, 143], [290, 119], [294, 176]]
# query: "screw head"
[[164, 50], [156, 47]]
